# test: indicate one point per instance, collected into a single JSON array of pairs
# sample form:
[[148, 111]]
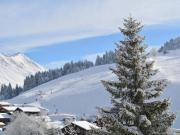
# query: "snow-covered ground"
[[76, 93], [15, 68], [80, 93]]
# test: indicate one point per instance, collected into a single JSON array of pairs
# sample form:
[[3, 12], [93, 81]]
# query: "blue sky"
[[59, 53], [54, 32]]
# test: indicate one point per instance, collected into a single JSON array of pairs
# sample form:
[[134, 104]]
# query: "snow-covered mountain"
[[15, 68], [82, 92]]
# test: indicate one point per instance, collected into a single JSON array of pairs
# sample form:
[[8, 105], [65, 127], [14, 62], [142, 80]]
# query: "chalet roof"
[[10, 108], [4, 115], [3, 103], [29, 109], [85, 125], [2, 124]]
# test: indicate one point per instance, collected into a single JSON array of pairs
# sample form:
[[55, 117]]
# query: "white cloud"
[[29, 24]]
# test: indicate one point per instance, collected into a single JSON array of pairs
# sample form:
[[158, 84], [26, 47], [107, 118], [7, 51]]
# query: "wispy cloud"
[[30, 24]]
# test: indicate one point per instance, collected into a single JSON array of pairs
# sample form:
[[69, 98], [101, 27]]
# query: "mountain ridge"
[[14, 68]]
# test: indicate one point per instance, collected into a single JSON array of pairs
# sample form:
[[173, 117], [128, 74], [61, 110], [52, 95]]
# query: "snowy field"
[[80, 93], [76, 93]]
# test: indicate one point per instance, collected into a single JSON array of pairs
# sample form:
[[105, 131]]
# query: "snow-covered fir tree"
[[135, 110], [25, 125], [30, 125]]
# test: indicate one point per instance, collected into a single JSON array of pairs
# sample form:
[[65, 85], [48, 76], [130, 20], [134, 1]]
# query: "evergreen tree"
[[107, 58], [136, 109], [172, 44], [98, 61]]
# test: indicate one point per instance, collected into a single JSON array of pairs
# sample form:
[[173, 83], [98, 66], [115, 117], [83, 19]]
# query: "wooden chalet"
[[29, 110], [81, 127], [2, 124], [8, 109], [5, 118]]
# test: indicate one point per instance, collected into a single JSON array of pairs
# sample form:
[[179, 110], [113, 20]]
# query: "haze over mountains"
[[14, 69]]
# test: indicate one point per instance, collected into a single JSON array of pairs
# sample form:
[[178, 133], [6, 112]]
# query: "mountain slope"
[[15, 68], [172, 44], [82, 92]]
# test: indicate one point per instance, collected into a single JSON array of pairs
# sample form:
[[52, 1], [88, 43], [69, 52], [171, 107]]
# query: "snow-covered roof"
[[4, 115], [2, 124], [29, 109], [10, 108], [3, 103], [85, 125]]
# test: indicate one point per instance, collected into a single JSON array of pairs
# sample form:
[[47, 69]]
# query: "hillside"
[[82, 92], [172, 44], [15, 68]]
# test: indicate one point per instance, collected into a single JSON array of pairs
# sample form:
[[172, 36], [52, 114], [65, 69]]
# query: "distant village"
[[61, 122]]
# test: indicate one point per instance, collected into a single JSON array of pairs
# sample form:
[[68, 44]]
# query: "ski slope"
[[80, 93], [14, 69], [76, 93]]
